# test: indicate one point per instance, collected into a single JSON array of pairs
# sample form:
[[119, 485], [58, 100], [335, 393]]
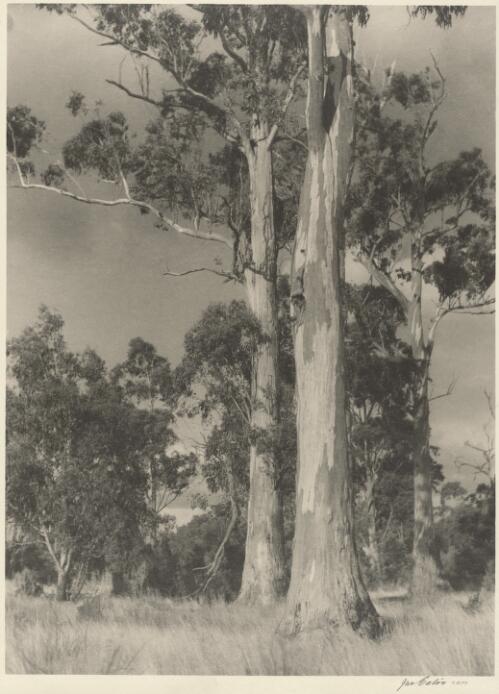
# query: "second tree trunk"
[[425, 572], [264, 572]]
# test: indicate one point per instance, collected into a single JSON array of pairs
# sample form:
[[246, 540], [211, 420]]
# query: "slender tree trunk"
[[264, 573], [62, 561], [326, 585], [425, 572], [62, 587], [154, 503], [372, 539], [118, 583]]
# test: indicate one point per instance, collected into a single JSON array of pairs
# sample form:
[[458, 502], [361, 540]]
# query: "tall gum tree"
[[214, 381], [416, 226], [379, 386], [243, 93], [326, 586], [251, 37]]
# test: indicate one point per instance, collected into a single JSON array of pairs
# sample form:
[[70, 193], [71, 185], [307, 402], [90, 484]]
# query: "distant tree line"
[[92, 467]]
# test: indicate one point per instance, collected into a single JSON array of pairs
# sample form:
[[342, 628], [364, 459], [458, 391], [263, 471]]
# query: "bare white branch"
[[144, 206]]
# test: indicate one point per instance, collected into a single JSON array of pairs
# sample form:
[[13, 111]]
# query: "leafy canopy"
[[402, 206]]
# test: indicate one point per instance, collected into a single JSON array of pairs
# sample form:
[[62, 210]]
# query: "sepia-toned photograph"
[[250, 380]]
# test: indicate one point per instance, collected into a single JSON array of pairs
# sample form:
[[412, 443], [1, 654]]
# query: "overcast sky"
[[102, 269]]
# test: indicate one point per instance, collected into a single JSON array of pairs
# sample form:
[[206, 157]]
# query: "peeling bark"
[[326, 586], [263, 577]]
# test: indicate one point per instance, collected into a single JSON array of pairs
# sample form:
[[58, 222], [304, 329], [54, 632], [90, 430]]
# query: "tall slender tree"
[[243, 93], [417, 227]]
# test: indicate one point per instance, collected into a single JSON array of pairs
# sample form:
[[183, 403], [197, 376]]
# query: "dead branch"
[[220, 273], [135, 95], [449, 391]]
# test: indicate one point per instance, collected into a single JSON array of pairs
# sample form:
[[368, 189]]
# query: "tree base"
[[62, 591], [359, 615], [425, 576], [256, 595]]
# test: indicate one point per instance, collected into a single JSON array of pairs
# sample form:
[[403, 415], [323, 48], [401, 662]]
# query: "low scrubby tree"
[[466, 537], [146, 381], [54, 483], [76, 476]]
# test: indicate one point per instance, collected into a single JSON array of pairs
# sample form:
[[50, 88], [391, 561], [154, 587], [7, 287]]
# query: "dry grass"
[[154, 636]]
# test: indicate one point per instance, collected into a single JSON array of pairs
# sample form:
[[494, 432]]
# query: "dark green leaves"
[[463, 181], [400, 205], [409, 89], [219, 351], [170, 166], [78, 447], [467, 269], [102, 145], [53, 175], [145, 376], [24, 130], [76, 103], [443, 14]]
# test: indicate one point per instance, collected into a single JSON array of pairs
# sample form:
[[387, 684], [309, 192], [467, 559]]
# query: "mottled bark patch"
[[317, 312]]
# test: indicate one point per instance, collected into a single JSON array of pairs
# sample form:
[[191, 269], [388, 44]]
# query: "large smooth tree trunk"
[[263, 577], [425, 571], [326, 586]]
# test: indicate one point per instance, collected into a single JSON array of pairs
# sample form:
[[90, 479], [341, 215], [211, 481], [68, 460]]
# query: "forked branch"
[[449, 391]]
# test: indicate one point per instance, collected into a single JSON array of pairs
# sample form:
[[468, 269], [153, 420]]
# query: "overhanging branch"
[[140, 204], [134, 95], [114, 40], [173, 71]]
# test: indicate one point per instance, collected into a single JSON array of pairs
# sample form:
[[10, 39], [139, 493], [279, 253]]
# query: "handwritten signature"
[[429, 681]]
